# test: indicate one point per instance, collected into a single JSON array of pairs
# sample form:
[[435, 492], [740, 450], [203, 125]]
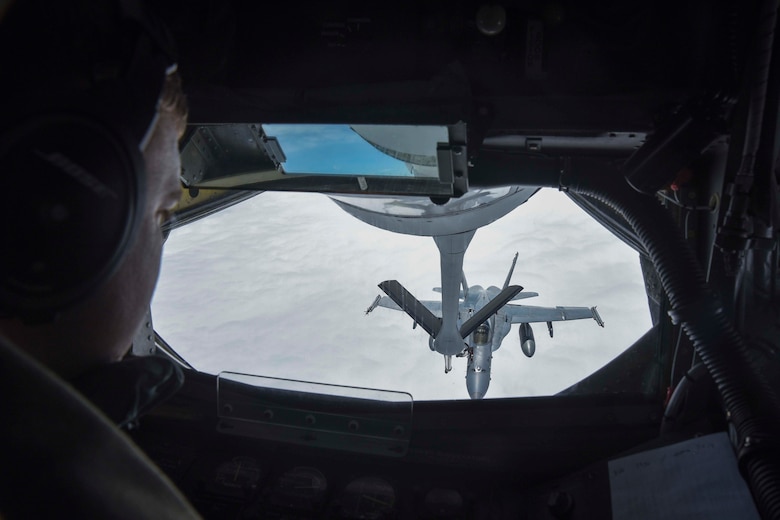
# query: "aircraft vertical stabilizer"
[[511, 270]]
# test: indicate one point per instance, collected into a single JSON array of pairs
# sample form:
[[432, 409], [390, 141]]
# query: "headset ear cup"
[[76, 193]]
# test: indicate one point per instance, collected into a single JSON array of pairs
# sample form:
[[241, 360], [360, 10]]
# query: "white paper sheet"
[[697, 478]]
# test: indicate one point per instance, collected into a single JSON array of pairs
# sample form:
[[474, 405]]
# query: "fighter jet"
[[473, 322], [461, 311]]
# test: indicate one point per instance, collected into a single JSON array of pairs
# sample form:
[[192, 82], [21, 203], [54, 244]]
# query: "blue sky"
[[332, 149], [277, 285]]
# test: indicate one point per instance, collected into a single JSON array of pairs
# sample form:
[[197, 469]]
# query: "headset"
[[71, 151]]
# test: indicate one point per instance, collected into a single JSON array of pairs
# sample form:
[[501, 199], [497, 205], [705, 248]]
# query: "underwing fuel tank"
[[480, 359], [527, 342]]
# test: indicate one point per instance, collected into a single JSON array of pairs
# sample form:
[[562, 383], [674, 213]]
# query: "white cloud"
[[277, 286]]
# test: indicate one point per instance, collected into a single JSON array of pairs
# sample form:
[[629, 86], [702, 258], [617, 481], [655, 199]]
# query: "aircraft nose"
[[477, 384], [478, 371]]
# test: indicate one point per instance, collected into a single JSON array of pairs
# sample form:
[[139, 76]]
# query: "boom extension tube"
[[412, 306]]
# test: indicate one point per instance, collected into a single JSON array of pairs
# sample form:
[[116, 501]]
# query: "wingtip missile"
[[373, 304], [597, 316]]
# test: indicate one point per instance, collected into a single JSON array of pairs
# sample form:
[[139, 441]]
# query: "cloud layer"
[[277, 286]]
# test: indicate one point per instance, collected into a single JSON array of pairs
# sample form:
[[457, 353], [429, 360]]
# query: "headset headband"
[[72, 160]]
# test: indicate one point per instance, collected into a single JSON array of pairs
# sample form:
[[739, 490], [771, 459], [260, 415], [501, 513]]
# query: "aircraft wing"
[[433, 306], [531, 314], [386, 301], [518, 296]]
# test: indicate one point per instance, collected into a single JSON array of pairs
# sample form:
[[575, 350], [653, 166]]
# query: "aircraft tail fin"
[[412, 306], [488, 310], [511, 270]]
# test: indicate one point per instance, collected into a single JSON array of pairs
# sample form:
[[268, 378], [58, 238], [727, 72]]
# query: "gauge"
[[301, 488], [239, 473], [369, 498]]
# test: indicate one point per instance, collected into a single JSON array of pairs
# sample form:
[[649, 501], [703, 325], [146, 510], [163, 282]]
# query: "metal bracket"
[[143, 342], [452, 159]]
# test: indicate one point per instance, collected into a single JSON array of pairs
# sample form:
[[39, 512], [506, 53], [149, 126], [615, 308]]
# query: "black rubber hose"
[[752, 406], [761, 66]]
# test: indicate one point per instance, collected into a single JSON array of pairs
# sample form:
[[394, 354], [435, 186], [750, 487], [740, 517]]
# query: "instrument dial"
[[237, 476], [368, 498], [301, 489]]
